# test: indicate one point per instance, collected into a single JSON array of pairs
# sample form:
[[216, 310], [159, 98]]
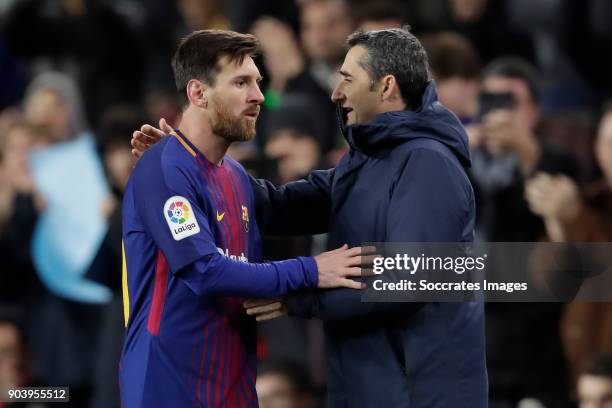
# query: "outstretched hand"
[[337, 267]]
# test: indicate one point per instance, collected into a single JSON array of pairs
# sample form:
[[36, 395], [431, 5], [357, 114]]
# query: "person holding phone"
[[506, 152]]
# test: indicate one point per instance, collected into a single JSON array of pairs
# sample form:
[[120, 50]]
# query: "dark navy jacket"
[[403, 180]]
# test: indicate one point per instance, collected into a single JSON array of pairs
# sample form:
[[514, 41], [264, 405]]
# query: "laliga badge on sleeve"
[[180, 217]]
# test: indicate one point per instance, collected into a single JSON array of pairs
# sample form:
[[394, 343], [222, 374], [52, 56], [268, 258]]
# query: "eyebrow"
[[345, 74], [247, 77]]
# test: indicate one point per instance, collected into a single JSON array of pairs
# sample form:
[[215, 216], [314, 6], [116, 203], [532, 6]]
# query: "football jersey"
[[183, 349]]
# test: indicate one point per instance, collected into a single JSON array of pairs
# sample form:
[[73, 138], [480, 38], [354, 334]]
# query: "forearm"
[[554, 229], [218, 275]]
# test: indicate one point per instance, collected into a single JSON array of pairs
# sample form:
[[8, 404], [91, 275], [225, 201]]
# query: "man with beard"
[[191, 243]]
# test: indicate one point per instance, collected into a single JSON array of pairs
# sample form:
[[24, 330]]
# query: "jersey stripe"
[[237, 201], [159, 294], [184, 143], [202, 360], [124, 286], [219, 388], [210, 397]]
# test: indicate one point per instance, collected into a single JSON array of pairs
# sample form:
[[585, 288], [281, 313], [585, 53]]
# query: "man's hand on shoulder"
[[147, 136]]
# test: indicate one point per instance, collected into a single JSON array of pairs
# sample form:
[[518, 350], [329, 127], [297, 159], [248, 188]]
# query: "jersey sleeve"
[[172, 211], [218, 275]]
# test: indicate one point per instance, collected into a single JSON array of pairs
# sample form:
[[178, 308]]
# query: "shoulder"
[[168, 164], [428, 153], [434, 167], [235, 166]]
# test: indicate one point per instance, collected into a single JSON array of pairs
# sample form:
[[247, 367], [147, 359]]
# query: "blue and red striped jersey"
[[182, 348]]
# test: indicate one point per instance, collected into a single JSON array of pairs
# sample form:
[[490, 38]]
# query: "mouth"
[[252, 114], [345, 112]]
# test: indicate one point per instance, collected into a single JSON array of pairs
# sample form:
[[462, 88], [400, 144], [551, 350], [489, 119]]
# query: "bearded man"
[[191, 243]]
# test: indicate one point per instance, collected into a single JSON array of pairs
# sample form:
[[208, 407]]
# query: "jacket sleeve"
[[430, 202], [297, 208]]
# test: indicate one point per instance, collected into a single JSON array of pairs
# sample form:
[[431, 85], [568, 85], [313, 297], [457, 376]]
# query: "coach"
[[403, 180]]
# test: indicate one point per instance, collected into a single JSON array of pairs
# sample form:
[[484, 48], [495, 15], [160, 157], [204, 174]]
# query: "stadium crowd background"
[[73, 70]]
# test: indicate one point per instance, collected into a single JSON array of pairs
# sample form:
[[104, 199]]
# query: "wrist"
[[554, 229], [311, 270], [528, 152]]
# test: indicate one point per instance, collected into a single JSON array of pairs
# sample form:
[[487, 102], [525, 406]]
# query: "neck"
[[392, 106], [196, 127]]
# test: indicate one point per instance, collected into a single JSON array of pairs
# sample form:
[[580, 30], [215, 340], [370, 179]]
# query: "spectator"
[[574, 214], [507, 151], [488, 24], [67, 171], [294, 138], [84, 38], [113, 135], [507, 154], [595, 384], [53, 100], [14, 363], [21, 204], [168, 22], [455, 65], [324, 27]]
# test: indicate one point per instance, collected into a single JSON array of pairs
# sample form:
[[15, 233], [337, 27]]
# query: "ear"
[[196, 93], [390, 89]]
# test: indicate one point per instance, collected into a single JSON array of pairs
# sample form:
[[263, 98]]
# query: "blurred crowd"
[[529, 80]]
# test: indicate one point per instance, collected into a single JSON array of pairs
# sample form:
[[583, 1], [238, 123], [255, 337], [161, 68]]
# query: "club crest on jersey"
[[180, 218], [245, 217]]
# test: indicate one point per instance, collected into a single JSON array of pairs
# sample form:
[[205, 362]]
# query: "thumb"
[[163, 125]]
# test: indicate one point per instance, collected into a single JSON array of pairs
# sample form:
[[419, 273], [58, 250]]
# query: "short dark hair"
[[198, 55], [451, 55], [516, 68], [397, 52]]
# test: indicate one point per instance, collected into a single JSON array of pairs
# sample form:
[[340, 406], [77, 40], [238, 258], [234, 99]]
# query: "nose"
[[256, 96], [337, 95]]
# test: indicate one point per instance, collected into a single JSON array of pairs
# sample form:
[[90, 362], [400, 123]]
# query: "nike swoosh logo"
[[220, 216]]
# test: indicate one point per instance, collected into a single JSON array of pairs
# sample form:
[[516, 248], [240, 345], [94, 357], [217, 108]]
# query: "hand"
[[507, 131], [265, 309], [500, 130], [280, 50], [147, 136], [553, 197], [336, 266], [475, 136]]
